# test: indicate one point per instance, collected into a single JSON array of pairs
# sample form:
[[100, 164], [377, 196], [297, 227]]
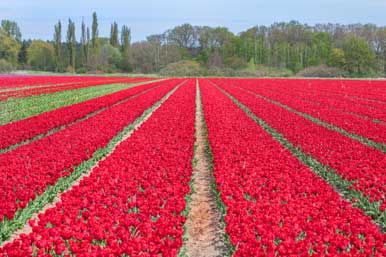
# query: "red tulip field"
[[115, 166]]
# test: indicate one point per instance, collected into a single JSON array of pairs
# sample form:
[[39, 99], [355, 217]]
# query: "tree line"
[[282, 49], [64, 53]]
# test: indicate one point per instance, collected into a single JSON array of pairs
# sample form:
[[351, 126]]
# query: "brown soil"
[[203, 229]]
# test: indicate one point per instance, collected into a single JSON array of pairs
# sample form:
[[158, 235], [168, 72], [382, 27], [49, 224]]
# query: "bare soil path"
[[204, 232]]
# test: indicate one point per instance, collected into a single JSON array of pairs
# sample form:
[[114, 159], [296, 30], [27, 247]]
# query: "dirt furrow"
[[204, 233]]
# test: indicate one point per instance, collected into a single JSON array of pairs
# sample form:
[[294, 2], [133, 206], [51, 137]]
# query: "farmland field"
[[108, 166]]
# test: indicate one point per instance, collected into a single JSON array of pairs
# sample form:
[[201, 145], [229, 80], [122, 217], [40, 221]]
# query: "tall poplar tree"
[[94, 32], [125, 48], [71, 43], [111, 33], [58, 45], [114, 35], [84, 45]]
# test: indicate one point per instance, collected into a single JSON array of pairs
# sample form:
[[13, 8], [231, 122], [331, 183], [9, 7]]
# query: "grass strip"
[[57, 129], [20, 108], [13, 89], [15, 109]]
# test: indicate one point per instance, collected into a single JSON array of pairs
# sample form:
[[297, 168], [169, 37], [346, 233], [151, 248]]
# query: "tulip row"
[[368, 94], [276, 206], [358, 163], [16, 132], [26, 171], [332, 91], [354, 89], [348, 89], [348, 105], [30, 81], [18, 81], [131, 204], [58, 88], [20, 108], [352, 168], [348, 122]]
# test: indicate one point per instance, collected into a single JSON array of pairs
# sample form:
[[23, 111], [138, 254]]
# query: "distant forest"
[[281, 49]]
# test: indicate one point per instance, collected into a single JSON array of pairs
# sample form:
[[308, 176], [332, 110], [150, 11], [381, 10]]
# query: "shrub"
[[221, 72], [81, 70], [5, 66], [70, 69], [236, 63], [245, 73], [322, 71], [95, 72], [182, 68], [264, 71]]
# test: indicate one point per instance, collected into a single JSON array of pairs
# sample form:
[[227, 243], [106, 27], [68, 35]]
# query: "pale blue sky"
[[37, 17]]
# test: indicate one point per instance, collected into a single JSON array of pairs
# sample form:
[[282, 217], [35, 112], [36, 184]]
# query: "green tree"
[[94, 59], [58, 46], [84, 49], [253, 44], [337, 58], [22, 57], [109, 58], [112, 55], [9, 48], [125, 48], [71, 43], [94, 32], [185, 36], [381, 47], [219, 45], [359, 56], [41, 56], [5, 67], [114, 35], [11, 29], [320, 49]]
